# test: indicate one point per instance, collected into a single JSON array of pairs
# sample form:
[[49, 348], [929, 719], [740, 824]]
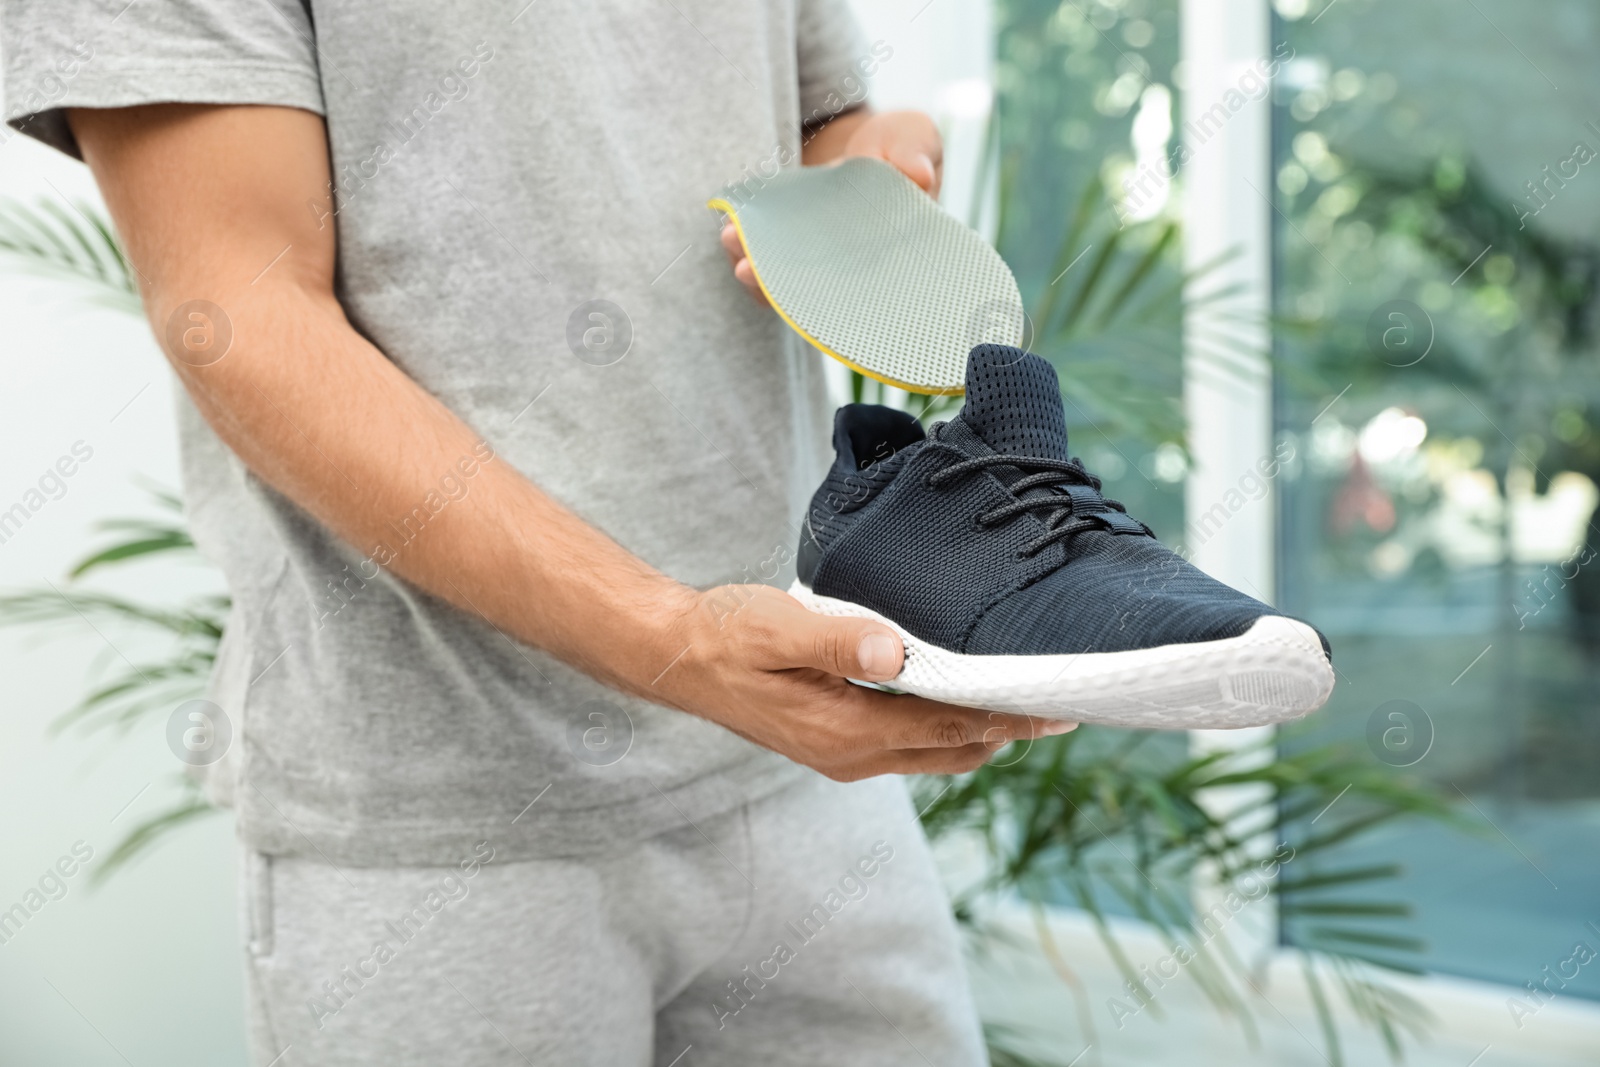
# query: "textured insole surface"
[[868, 268]]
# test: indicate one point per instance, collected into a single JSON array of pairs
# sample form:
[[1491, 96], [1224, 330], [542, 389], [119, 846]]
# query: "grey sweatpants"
[[806, 928]]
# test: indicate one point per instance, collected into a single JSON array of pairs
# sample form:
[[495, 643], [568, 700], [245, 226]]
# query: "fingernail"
[[1051, 729], [876, 653]]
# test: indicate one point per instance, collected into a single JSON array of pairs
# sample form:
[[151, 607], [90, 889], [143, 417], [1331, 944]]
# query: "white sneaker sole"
[[1273, 672]]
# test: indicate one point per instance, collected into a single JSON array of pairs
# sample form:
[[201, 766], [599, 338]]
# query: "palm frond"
[[73, 242], [190, 807], [190, 632], [1004, 1050], [1049, 817], [156, 540]]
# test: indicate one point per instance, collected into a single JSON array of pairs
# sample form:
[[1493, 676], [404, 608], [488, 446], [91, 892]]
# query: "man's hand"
[[760, 664], [906, 139]]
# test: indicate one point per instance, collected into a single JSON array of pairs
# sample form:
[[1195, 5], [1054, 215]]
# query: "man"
[[491, 450]]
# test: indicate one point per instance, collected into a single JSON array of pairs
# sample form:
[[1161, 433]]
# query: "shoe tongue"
[[1014, 403]]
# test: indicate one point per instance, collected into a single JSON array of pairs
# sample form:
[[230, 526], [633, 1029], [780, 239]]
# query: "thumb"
[[849, 648], [914, 163]]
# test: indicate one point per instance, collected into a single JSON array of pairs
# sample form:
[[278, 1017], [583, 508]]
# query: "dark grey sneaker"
[[1016, 586]]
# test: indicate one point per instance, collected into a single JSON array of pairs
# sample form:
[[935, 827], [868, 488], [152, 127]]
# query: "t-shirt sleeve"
[[116, 53], [834, 59]]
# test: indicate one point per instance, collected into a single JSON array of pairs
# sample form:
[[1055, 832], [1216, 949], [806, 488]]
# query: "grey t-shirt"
[[498, 166]]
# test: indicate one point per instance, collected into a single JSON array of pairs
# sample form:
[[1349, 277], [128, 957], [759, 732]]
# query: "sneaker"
[[1016, 586]]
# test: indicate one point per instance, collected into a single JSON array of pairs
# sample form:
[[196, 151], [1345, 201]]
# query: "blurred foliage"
[[131, 694], [74, 243], [1400, 172], [1522, 343], [1095, 810], [1513, 364], [1104, 299], [1402, 189], [1071, 78], [1110, 320]]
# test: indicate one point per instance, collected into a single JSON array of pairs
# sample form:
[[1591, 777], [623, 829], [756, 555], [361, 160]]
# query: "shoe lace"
[[1070, 512]]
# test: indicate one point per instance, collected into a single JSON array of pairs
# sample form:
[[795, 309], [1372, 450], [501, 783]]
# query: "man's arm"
[[211, 204]]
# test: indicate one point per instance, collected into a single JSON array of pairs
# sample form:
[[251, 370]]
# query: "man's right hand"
[[759, 663]]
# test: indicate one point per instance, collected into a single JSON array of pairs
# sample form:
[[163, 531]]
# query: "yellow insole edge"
[[722, 205]]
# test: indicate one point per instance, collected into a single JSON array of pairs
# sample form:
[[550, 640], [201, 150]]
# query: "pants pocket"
[[257, 877]]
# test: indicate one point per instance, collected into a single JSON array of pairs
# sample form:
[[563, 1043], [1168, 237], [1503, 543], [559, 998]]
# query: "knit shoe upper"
[[985, 537]]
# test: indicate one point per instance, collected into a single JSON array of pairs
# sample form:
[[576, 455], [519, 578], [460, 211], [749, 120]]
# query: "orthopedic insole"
[[868, 268]]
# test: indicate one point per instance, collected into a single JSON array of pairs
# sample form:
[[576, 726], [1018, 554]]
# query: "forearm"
[[370, 454], [322, 416]]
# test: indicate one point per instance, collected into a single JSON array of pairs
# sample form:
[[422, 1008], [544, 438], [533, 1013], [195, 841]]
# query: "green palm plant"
[[1110, 313], [1046, 814], [73, 242], [1108, 318], [1097, 813], [130, 693], [76, 243], [1093, 817]]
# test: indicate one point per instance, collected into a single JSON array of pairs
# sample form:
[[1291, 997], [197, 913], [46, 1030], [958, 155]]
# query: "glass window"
[[1437, 279], [1085, 102]]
